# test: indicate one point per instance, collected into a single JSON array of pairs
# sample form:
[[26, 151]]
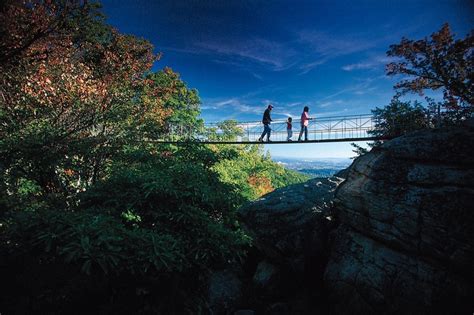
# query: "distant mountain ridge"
[[316, 168]]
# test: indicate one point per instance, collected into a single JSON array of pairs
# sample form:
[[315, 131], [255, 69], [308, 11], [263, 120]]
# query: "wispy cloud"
[[370, 64], [277, 56], [358, 88], [329, 103], [236, 105], [307, 67], [257, 76], [359, 66], [330, 45], [252, 108], [251, 105], [324, 47], [305, 51]]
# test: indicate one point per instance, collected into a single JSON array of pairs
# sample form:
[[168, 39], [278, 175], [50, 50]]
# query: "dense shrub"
[[152, 217], [399, 118]]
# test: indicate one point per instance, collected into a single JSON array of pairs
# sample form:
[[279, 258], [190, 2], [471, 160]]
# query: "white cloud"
[[330, 45], [359, 88], [371, 64], [277, 56], [304, 52], [307, 67], [236, 105], [329, 103], [326, 47]]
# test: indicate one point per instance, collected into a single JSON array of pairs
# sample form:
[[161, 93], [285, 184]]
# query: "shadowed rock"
[[406, 243], [290, 228], [225, 290], [292, 222]]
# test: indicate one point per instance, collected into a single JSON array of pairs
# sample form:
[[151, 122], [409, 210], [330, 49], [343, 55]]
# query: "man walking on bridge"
[[266, 124]]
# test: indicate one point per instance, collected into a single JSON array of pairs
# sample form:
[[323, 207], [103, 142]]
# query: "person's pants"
[[305, 130], [290, 134], [266, 131]]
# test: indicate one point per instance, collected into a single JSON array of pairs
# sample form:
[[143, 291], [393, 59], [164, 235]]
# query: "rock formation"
[[291, 223], [406, 242], [395, 237], [283, 273]]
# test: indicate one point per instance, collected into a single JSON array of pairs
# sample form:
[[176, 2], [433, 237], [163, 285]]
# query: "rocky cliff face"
[[395, 237], [406, 242]]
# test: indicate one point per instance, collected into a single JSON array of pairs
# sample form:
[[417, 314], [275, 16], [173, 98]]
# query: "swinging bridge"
[[321, 129]]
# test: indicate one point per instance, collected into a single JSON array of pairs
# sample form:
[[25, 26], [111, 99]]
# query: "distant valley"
[[322, 167]]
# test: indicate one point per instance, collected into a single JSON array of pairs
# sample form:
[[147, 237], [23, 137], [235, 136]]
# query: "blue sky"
[[328, 55]]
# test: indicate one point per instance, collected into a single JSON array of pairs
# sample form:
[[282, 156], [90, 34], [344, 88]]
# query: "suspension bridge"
[[350, 128]]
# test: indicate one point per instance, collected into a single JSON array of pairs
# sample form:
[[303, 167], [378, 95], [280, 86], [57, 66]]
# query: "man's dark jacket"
[[266, 117]]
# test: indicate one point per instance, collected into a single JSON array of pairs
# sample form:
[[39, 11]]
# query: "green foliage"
[[178, 195], [358, 150], [184, 102], [253, 174], [229, 130], [399, 118], [394, 120], [161, 212], [94, 242]]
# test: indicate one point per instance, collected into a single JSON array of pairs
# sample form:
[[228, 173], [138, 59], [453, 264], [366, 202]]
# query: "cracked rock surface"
[[406, 239], [284, 223], [290, 228]]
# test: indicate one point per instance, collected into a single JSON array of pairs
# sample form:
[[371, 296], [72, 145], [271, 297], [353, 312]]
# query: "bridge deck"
[[273, 142]]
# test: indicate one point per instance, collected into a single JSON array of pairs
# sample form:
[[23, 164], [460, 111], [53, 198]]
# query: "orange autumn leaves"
[[50, 68], [441, 62], [261, 184], [64, 78]]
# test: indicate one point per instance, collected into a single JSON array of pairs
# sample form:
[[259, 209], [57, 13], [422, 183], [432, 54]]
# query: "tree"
[[437, 63], [399, 118], [72, 90], [394, 120], [182, 103], [230, 130]]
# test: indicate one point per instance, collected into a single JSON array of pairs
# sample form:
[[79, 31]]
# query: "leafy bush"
[[395, 119], [58, 261], [155, 216], [177, 195], [97, 243], [399, 118]]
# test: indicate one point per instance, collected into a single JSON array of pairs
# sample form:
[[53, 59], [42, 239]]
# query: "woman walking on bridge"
[[304, 124], [266, 120]]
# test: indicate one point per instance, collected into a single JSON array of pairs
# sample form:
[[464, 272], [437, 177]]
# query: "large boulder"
[[290, 228], [266, 276], [291, 223], [224, 290], [406, 242]]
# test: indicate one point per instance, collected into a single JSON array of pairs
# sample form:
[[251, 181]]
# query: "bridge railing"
[[319, 129]]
